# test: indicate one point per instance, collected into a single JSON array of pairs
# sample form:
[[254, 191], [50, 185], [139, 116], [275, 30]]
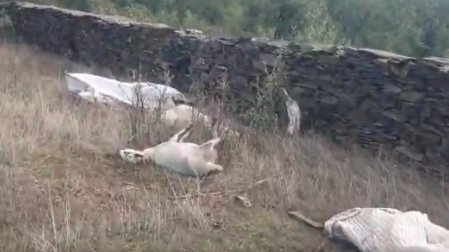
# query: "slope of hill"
[[62, 187]]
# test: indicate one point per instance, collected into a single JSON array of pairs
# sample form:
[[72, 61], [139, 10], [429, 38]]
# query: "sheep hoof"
[[215, 168]]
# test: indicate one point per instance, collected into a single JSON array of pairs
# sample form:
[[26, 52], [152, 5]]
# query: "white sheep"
[[294, 114], [173, 103], [383, 230], [183, 115], [181, 157]]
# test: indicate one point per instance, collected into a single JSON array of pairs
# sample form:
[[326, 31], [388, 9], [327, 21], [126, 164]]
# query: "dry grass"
[[61, 191]]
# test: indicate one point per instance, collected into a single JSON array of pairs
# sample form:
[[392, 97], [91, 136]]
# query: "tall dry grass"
[[62, 188]]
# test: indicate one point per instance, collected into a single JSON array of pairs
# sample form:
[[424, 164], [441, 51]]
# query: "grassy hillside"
[[62, 187], [413, 27]]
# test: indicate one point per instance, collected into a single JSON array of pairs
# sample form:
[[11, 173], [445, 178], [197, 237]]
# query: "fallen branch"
[[221, 192]]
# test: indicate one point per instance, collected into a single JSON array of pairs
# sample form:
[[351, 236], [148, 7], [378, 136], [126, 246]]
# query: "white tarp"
[[388, 230], [125, 92]]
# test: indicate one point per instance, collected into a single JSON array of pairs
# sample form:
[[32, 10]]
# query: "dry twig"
[[221, 192]]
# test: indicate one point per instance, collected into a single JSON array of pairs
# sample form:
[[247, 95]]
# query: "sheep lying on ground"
[[174, 105], [183, 115], [294, 114], [383, 230], [178, 156]]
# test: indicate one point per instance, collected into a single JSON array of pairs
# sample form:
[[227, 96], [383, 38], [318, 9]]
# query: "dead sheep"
[[183, 115], [184, 158]]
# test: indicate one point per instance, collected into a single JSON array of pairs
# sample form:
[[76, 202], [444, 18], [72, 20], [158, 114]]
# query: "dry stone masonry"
[[380, 99]]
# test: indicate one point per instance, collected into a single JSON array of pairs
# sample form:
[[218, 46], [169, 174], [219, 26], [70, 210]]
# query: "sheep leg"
[[181, 135], [175, 137], [210, 144], [187, 132], [211, 167]]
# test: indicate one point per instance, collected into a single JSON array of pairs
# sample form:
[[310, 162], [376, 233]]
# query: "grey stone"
[[391, 88], [411, 96], [409, 153]]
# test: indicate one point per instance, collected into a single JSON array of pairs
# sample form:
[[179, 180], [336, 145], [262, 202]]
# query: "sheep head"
[[132, 156]]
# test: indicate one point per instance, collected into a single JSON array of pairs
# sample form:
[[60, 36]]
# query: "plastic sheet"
[[104, 89]]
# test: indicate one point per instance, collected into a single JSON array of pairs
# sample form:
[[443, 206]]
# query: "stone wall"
[[379, 99]]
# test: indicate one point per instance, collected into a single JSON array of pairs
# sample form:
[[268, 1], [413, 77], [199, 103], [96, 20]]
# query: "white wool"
[[388, 230], [184, 115]]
